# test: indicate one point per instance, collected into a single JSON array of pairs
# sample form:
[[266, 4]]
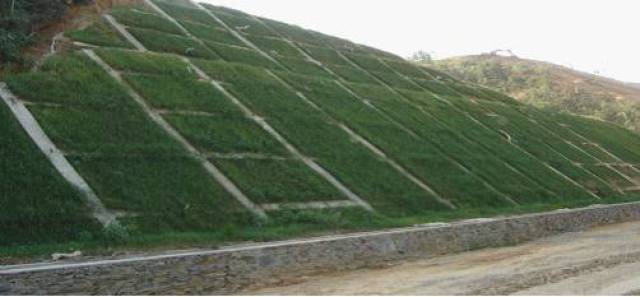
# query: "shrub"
[[18, 21], [10, 45], [115, 232]]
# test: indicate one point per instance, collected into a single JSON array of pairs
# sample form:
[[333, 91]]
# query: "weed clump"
[[115, 232]]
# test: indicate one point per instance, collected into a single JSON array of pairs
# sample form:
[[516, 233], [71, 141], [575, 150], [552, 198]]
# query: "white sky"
[[587, 35]]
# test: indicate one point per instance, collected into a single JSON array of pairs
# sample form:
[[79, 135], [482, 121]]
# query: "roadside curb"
[[229, 269]]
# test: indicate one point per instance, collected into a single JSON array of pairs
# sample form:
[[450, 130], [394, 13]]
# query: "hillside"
[[178, 122], [552, 86]]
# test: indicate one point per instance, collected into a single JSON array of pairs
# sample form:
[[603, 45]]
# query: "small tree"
[[421, 57]]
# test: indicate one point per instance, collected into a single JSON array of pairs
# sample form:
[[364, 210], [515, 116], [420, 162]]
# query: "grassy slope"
[[551, 86], [36, 203], [422, 124]]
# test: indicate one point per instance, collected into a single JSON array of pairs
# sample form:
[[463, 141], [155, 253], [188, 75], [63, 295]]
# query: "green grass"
[[284, 225], [581, 152], [262, 92], [275, 46], [385, 189], [428, 158], [491, 168], [582, 177], [342, 45], [489, 93], [592, 153], [527, 164], [96, 114], [471, 91], [331, 98], [362, 172], [595, 133], [241, 55], [226, 135], [245, 25], [373, 92], [71, 80], [325, 55], [531, 138], [370, 63], [113, 131], [161, 193], [312, 134], [473, 154], [212, 34], [439, 75], [398, 144], [396, 81], [172, 93], [493, 141], [466, 190], [615, 139], [570, 152], [420, 97], [141, 18], [519, 187], [169, 43], [73, 89], [610, 176], [524, 135], [278, 181], [407, 69], [294, 33], [351, 74], [226, 10], [303, 66], [187, 13], [99, 33], [457, 146], [436, 87], [136, 62], [36, 204]]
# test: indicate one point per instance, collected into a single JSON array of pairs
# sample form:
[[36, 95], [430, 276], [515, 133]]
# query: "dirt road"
[[604, 260]]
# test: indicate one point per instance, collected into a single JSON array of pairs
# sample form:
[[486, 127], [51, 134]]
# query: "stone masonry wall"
[[228, 270]]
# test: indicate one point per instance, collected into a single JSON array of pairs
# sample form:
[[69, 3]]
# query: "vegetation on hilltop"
[[551, 86]]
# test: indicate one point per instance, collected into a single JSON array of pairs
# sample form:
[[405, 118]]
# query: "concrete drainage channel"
[[231, 269]]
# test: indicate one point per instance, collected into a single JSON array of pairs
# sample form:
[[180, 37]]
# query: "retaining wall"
[[227, 270]]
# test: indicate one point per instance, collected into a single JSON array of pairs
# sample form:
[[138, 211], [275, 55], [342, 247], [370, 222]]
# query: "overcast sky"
[[587, 35]]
